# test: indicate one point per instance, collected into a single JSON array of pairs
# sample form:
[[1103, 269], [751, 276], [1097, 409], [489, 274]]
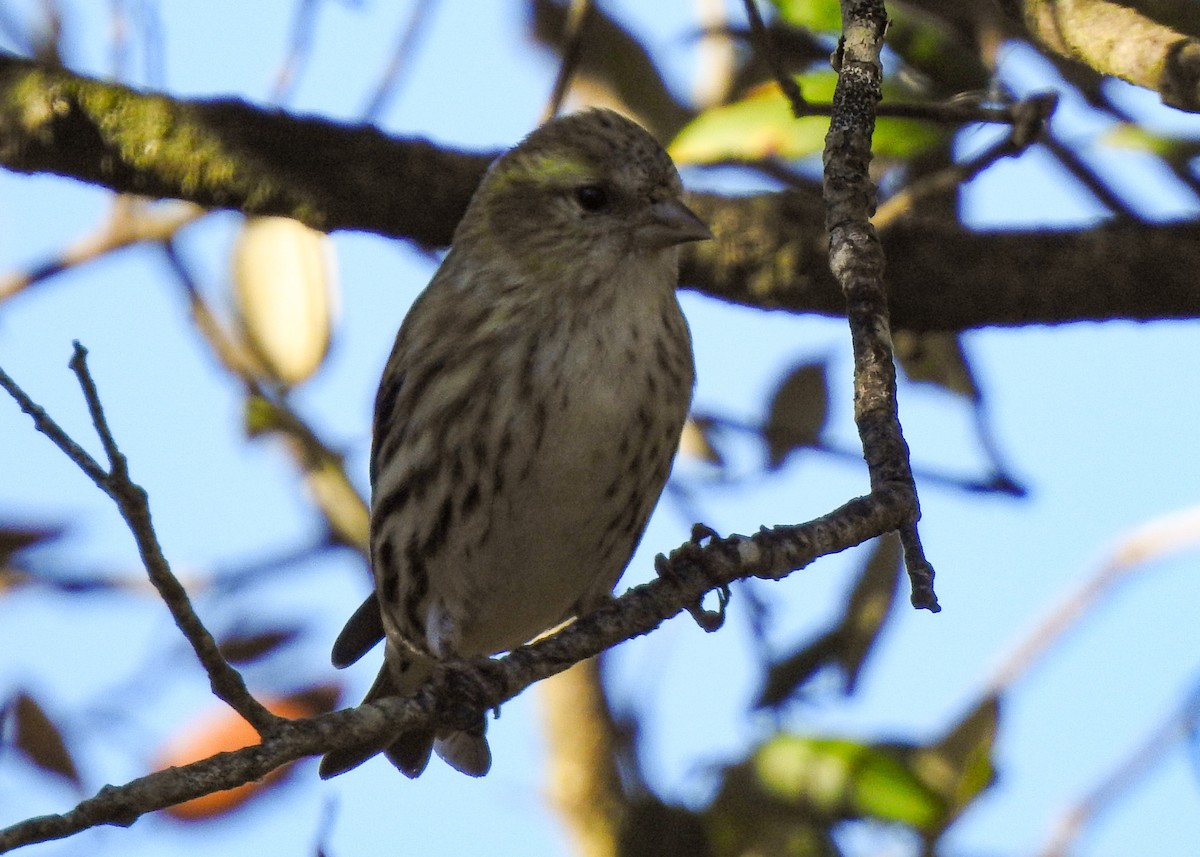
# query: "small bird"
[[527, 416]]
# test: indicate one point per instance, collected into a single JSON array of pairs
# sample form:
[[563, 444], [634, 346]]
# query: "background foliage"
[[825, 717]]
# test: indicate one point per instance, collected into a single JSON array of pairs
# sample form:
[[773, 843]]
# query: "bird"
[[527, 416]]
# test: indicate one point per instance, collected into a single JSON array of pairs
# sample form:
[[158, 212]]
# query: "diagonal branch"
[[134, 506], [456, 694]]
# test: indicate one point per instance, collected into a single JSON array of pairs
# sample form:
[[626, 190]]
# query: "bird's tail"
[[409, 751]]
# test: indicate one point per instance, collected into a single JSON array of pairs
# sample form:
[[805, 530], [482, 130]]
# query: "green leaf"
[[761, 125], [845, 779], [260, 416], [959, 766], [819, 15]]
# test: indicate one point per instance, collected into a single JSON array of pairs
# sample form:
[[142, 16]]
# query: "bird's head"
[[589, 189]]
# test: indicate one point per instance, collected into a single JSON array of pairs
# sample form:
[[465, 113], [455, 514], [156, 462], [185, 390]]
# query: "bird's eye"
[[591, 197]]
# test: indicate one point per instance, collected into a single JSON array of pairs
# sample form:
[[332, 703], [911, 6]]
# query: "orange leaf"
[[221, 730]]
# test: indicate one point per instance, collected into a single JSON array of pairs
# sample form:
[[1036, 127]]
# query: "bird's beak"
[[671, 222]]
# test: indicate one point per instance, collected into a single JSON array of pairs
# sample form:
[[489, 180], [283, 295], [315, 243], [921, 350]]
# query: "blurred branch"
[[1087, 177], [1150, 541], [130, 221], [400, 61], [764, 46], [1025, 132], [298, 51], [459, 690], [1171, 731], [584, 783], [132, 502], [856, 259], [577, 17], [996, 482], [339, 502], [770, 250], [770, 253], [225, 153], [613, 67], [1118, 39]]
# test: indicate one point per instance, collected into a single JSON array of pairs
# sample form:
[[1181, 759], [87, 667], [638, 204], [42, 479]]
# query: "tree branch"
[[226, 153], [857, 261], [1118, 39], [132, 502], [770, 250], [462, 689]]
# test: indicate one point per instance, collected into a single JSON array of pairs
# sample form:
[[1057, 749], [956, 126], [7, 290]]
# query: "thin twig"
[[764, 44], [1090, 179], [400, 61], [997, 482], [118, 465], [298, 51], [128, 223], [44, 424], [132, 502], [577, 18], [1027, 130], [1152, 540]]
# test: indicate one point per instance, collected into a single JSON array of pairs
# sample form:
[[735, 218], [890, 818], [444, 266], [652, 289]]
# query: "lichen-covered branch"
[[226, 153], [1120, 40], [770, 250]]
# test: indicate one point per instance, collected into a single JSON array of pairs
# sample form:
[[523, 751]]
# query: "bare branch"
[[856, 259], [134, 506], [1036, 113], [1172, 730], [1119, 39], [463, 688], [764, 45], [459, 691], [400, 60], [129, 222]]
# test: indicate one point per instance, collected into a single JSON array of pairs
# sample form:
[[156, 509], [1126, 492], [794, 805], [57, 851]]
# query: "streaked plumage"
[[528, 414]]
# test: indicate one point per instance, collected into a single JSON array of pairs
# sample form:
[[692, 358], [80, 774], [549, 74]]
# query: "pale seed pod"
[[285, 295]]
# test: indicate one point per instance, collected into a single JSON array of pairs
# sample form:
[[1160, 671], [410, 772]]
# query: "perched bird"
[[528, 413]]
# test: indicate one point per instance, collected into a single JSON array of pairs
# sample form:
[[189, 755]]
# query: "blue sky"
[[1098, 419]]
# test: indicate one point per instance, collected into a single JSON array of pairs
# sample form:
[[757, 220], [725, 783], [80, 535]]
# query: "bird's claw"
[[711, 620], [700, 532]]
